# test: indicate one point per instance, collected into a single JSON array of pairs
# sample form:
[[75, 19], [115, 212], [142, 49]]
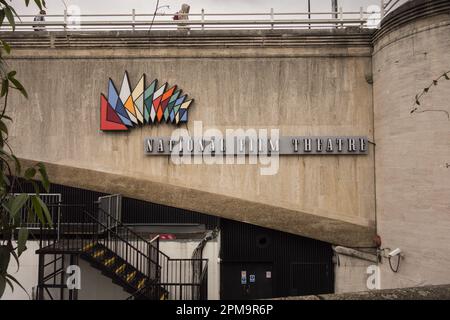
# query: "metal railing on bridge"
[[206, 21]]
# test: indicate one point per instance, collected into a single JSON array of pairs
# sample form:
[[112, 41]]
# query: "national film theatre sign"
[[243, 145], [152, 105]]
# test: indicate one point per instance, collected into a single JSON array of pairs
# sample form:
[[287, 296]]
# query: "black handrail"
[[138, 255], [111, 229], [82, 230], [181, 285], [119, 223]]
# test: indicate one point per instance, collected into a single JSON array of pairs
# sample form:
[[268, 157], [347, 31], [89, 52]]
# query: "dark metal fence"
[[86, 229], [166, 278], [31, 222]]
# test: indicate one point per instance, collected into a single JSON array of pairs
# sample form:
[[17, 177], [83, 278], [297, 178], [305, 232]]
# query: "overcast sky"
[[148, 6]]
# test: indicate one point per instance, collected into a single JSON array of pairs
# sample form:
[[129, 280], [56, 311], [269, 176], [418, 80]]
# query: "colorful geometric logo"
[[142, 105]]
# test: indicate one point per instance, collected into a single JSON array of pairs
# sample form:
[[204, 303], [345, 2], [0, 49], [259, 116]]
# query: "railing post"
[[382, 9], [158, 276], [361, 16], [59, 220], [149, 263], [203, 19], [40, 287], [65, 19], [341, 16], [309, 14], [133, 14], [272, 18], [42, 235]]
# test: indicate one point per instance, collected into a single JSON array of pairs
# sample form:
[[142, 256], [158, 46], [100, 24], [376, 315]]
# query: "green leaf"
[[30, 173], [7, 206], [14, 12], [27, 2], [39, 4], [17, 164], [12, 74], [10, 17], [5, 86], [4, 179], [3, 127], [10, 284], [2, 285], [22, 241], [37, 209], [35, 186], [44, 176], [18, 283], [4, 259], [17, 203], [46, 212], [19, 86], [2, 16], [6, 46]]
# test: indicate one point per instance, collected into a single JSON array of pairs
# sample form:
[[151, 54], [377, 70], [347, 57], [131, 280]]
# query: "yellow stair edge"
[[98, 253], [109, 261], [141, 284], [88, 247], [131, 276], [120, 269]]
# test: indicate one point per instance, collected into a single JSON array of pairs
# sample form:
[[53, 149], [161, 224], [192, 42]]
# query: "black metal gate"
[[275, 264], [246, 280]]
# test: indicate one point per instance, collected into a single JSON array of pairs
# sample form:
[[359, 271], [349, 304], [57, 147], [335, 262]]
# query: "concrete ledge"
[[441, 292], [349, 37], [291, 221], [410, 12]]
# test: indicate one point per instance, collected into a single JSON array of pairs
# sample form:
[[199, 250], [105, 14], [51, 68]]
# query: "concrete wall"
[[95, 286], [350, 274], [300, 89], [412, 178]]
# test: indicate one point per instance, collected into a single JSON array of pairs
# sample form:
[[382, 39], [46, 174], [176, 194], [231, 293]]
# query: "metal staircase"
[[130, 261]]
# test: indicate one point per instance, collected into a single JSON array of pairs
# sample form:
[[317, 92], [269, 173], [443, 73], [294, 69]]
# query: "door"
[[310, 279], [110, 211], [246, 281]]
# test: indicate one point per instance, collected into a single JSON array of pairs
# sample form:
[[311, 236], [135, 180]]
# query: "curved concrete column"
[[412, 49]]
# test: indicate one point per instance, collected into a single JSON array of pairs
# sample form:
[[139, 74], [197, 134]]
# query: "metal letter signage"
[[285, 146], [144, 105]]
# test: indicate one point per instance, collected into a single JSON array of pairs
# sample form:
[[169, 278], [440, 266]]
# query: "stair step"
[[98, 254], [88, 247], [109, 262], [130, 276], [120, 269], [141, 283]]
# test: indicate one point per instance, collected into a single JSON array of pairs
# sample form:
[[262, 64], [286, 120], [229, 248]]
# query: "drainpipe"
[[356, 254]]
